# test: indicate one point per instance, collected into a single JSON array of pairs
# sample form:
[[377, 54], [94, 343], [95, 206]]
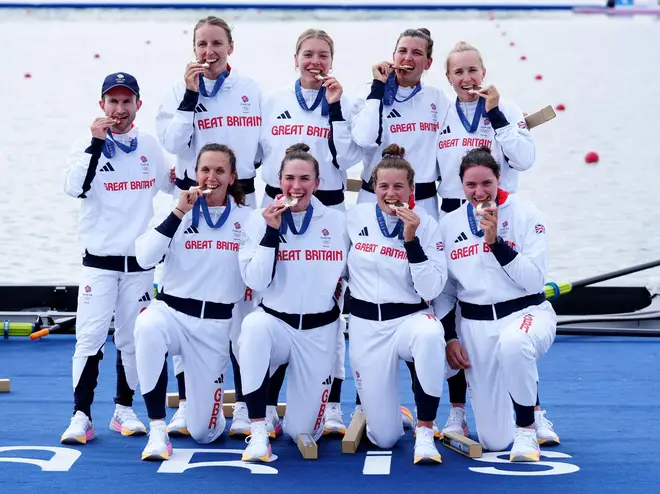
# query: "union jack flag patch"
[[522, 124], [440, 246], [539, 228]]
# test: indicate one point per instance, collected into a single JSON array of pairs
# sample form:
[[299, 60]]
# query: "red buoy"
[[148, 42], [512, 44], [591, 158], [523, 57], [560, 107], [96, 55], [28, 75], [538, 77]]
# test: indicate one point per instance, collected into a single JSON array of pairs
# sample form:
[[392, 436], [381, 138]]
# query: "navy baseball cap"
[[121, 79]]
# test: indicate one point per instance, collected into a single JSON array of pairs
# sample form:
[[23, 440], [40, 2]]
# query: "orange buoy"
[[560, 107], [591, 158]]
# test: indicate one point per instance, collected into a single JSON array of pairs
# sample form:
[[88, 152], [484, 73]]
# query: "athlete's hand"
[[488, 224], [410, 223], [333, 89], [273, 214], [187, 199], [382, 70], [100, 127], [491, 96], [457, 357], [191, 76]]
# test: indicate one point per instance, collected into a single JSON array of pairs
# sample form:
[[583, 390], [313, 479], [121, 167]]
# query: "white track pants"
[[503, 356], [241, 309], [266, 342], [375, 350], [102, 293], [204, 348]]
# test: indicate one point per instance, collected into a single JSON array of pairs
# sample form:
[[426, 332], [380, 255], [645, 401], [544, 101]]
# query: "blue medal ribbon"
[[320, 100], [391, 88], [110, 146], [202, 204], [216, 87], [287, 222], [478, 113], [398, 228]]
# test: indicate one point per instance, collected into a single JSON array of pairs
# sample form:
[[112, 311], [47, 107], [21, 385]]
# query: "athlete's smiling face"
[[392, 186], [464, 72], [214, 171], [313, 58], [480, 184], [121, 104], [212, 46], [299, 180], [411, 52]]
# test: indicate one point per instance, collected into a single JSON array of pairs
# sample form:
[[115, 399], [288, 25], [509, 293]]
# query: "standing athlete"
[[497, 275], [213, 103], [313, 110], [396, 263], [192, 314], [480, 118], [401, 110], [116, 175], [295, 253]]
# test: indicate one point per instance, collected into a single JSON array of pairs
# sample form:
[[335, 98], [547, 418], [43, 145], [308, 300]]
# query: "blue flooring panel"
[[601, 393]]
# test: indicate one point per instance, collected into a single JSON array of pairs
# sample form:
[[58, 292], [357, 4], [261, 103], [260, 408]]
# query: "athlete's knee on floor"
[[208, 430], [384, 438], [494, 440]]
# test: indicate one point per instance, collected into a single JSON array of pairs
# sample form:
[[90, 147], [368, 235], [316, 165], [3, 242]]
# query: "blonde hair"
[[213, 21], [318, 34], [461, 47]]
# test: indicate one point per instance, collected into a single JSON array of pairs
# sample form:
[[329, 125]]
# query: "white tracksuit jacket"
[[117, 192], [504, 132], [186, 121]]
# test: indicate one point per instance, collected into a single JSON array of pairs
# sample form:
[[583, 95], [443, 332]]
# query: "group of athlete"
[[447, 278]]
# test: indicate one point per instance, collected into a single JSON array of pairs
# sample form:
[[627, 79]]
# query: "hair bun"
[[393, 150], [301, 146], [485, 149], [425, 31]]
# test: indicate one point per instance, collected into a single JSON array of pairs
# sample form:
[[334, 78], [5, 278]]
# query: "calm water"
[[604, 70]]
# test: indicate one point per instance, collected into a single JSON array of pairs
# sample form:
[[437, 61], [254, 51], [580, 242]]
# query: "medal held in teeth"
[[286, 201], [480, 210], [398, 205]]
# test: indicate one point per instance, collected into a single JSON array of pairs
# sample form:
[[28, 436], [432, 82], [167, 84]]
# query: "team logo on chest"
[[246, 106], [237, 230], [325, 237], [505, 229], [144, 163], [486, 129]]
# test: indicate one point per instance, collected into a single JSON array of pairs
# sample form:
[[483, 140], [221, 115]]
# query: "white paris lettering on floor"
[[375, 462]]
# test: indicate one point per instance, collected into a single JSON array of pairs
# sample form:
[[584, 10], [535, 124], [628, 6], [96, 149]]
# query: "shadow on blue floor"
[[601, 393]]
